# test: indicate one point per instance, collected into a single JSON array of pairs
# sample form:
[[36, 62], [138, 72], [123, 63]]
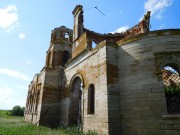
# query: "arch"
[[33, 103], [67, 36], [174, 66], [166, 58], [93, 45], [31, 98], [170, 75], [65, 57], [73, 77], [75, 108], [171, 80], [37, 100], [91, 99]]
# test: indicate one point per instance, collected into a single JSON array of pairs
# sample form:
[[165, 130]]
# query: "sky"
[[25, 30]]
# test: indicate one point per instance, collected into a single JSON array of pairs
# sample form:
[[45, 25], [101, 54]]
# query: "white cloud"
[[121, 29], [22, 35], [9, 98], [5, 94], [23, 87], [9, 18], [157, 7], [14, 74]]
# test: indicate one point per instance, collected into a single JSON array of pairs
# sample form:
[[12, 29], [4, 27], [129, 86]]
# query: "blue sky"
[[25, 28]]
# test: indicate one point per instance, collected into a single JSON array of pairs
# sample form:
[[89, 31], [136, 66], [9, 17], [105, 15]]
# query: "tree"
[[17, 111]]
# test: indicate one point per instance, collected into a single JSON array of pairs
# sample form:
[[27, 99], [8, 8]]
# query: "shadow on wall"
[[141, 94]]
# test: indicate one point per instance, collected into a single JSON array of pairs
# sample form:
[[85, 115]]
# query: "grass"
[[15, 125]]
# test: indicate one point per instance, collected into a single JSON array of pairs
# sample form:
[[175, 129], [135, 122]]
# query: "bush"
[[170, 89], [17, 111]]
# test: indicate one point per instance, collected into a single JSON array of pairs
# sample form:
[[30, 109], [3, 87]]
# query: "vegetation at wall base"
[[171, 89], [15, 125]]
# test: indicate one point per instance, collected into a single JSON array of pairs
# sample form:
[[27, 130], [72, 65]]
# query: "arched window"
[[93, 45], [65, 57], [91, 99], [171, 80], [67, 36]]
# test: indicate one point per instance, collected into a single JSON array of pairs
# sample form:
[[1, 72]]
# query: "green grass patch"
[[15, 125], [4, 113]]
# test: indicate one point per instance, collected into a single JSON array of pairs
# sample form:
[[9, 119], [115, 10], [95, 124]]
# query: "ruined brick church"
[[109, 83]]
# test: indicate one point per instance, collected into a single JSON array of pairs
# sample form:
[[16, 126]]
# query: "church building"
[[119, 84]]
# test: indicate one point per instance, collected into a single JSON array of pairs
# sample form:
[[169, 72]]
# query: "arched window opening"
[[170, 77], [93, 45], [65, 57], [91, 99], [67, 36], [171, 80]]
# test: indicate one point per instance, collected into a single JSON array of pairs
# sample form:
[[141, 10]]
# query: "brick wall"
[[91, 66], [142, 99]]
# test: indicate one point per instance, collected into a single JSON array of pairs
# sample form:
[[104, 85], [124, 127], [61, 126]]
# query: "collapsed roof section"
[[83, 38]]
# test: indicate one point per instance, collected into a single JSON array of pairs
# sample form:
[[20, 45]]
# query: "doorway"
[[75, 114]]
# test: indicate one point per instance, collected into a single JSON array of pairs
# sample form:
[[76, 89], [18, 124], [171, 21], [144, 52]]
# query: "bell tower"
[[60, 48]]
